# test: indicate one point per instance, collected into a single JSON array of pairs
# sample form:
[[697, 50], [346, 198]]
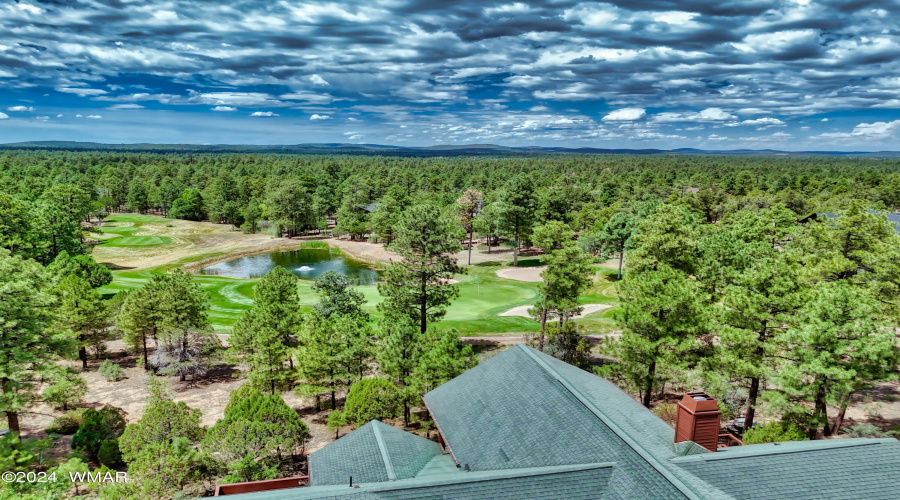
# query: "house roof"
[[526, 425], [586, 481], [834, 469], [523, 408], [375, 452]]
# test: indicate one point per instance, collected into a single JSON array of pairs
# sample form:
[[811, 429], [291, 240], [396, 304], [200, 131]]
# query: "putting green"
[[137, 241]]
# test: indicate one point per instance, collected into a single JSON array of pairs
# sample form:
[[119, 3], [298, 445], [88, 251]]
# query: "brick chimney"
[[697, 420]]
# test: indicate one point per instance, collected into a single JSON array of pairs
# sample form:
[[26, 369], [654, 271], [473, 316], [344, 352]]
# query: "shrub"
[[334, 422], [667, 412], [98, 426], [67, 390], [866, 431], [373, 399], [68, 423], [774, 432], [109, 454], [111, 371]]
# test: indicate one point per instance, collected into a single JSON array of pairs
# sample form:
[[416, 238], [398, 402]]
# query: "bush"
[[773, 433], [98, 426], [667, 412], [67, 390], [373, 399], [866, 431], [111, 371], [109, 454], [68, 423]]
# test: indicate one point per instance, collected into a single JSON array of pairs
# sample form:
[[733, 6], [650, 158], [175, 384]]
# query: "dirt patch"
[[532, 274], [587, 309]]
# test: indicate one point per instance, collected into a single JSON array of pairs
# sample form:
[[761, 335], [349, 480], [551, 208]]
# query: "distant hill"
[[437, 150]]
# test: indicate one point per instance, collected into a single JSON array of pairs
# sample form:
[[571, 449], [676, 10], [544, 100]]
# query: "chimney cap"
[[698, 401]]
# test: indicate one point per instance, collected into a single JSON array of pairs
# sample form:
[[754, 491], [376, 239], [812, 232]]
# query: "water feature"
[[306, 263]]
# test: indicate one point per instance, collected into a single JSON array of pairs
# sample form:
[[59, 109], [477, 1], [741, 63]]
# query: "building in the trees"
[[524, 425]]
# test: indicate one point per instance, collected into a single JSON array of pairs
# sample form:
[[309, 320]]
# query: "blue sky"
[[727, 74]]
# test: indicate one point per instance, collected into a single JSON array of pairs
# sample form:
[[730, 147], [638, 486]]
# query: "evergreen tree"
[[263, 337], [187, 352], [333, 353], [188, 206], [517, 210], [417, 286], [446, 358], [400, 347], [337, 296], [615, 236], [467, 207], [83, 314], [836, 347], [28, 346], [372, 399], [256, 434]]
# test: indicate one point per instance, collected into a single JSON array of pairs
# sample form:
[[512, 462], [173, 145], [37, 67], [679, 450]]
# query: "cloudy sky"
[[725, 74]]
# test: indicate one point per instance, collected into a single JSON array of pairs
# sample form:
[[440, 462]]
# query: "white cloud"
[[31, 9], [319, 117], [224, 108], [318, 80], [779, 41], [78, 116], [706, 115], [877, 130], [4, 116], [826, 120], [263, 113], [125, 107], [95, 117], [763, 123], [625, 115], [80, 92], [59, 115], [20, 108]]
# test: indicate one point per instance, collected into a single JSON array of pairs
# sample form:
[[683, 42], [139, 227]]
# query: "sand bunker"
[[523, 310], [522, 273]]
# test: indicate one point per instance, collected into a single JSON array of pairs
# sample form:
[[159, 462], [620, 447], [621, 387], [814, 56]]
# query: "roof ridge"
[[388, 465], [766, 450], [657, 464]]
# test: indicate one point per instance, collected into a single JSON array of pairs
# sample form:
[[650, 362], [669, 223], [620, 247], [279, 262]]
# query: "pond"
[[305, 263]]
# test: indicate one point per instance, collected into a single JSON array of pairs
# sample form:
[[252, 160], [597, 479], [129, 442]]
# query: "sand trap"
[[523, 310], [522, 274]]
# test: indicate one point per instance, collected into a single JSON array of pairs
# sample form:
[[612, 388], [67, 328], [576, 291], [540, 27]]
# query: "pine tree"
[[262, 339], [255, 434], [836, 347], [417, 286], [446, 358], [337, 296], [28, 345], [467, 207], [84, 314], [517, 210]]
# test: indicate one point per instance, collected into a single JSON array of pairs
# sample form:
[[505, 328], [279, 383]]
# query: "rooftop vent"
[[697, 420]]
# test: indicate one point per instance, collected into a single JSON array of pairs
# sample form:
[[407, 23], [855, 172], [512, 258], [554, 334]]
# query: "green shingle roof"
[[375, 452], [588, 481], [526, 409], [833, 469]]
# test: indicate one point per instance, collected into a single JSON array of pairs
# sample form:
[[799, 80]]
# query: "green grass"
[[482, 296], [137, 241], [320, 245]]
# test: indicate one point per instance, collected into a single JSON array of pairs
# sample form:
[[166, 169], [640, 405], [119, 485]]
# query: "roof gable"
[[526, 409], [373, 453]]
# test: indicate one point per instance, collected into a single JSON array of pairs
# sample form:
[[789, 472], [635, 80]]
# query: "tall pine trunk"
[[543, 326], [839, 420], [820, 416], [621, 259], [751, 403], [516, 253], [648, 389], [469, 261]]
